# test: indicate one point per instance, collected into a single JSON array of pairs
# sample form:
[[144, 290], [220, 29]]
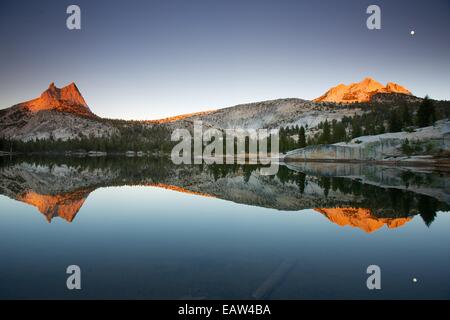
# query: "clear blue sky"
[[150, 59]]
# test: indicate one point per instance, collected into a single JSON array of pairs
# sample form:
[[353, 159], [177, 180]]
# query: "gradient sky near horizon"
[[151, 59]]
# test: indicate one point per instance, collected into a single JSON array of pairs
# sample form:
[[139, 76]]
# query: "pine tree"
[[356, 128], [381, 129], [395, 124], [406, 116], [426, 114], [326, 133], [301, 137], [339, 133]]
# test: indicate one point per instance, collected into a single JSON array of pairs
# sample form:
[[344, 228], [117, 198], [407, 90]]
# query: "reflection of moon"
[[413, 32]]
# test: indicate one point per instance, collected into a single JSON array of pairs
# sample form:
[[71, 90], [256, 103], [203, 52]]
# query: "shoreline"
[[437, 163], [440, 163]]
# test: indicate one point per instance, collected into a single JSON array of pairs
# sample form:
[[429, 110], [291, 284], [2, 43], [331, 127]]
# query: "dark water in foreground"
[[141, 228]]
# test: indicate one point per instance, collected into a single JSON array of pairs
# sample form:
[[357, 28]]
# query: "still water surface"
[[141, 228]]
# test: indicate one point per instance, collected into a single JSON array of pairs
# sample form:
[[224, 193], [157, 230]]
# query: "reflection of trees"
[[247, 173], [384, 202], [427, 209], [285, 175], [409, 177], [406, 176], [357, 188], [325, 184], [219, 171], [301, 181], [133, 169]]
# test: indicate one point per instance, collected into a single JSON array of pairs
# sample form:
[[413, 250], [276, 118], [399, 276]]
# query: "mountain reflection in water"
[[363, 196]]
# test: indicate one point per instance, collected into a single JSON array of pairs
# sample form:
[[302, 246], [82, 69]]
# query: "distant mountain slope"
[[62, 113], [269, 114], [291, 111], [360, 91]]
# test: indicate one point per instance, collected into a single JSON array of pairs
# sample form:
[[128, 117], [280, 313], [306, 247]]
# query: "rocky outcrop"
[[66, 99], [378, 147], [56, 114], [360, 91]]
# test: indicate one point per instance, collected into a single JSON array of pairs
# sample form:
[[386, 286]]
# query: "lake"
[[147, 229]]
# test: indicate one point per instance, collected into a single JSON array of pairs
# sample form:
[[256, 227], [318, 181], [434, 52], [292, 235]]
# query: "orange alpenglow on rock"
[[67, 99], [179, 117], [178, 189], [360, 218], [360, 91], [65, 206]]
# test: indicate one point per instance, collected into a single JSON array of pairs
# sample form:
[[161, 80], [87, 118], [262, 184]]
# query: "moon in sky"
[[413, 32]]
